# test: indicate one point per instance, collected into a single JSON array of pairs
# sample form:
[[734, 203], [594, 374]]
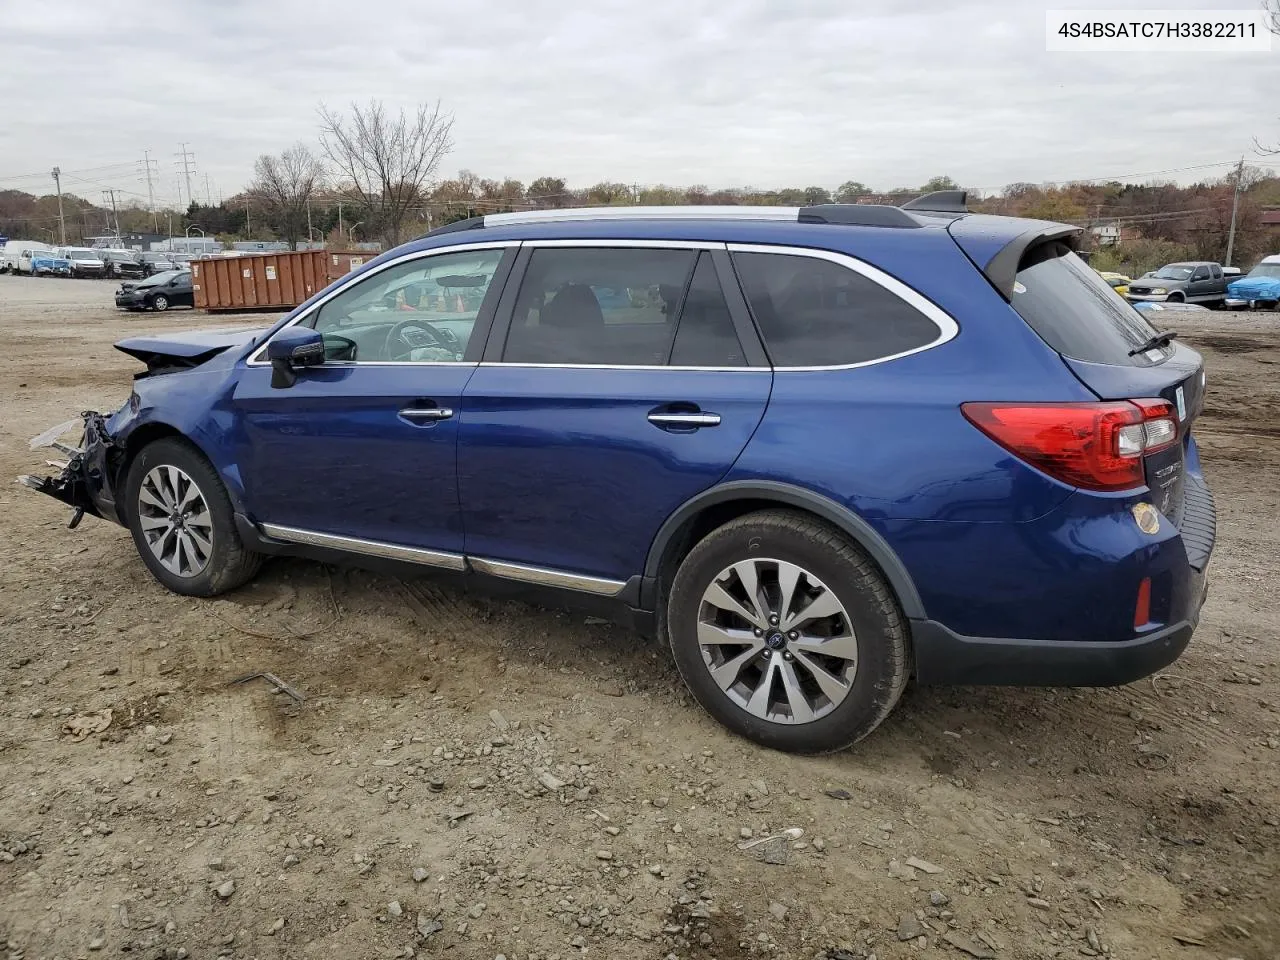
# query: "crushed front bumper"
[[85, 482]]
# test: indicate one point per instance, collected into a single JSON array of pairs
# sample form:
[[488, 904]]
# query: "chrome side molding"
[[543, 576], [370, 548]]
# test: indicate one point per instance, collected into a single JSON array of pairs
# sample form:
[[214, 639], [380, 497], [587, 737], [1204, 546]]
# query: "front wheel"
[[787, 633], [183, 523]]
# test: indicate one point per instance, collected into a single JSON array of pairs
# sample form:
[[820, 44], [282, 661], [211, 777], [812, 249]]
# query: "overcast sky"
[[765, 93]]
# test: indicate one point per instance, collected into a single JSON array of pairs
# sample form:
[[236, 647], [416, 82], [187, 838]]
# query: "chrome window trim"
[[629, 243], [546, 576], [372, 548], [256, 360], [622, 366], [947, 326]]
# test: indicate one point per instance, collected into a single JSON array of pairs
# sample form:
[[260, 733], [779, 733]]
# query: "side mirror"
[[291, 348]]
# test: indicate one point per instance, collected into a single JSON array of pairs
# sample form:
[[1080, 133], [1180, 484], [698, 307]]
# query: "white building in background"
[[195, 246]]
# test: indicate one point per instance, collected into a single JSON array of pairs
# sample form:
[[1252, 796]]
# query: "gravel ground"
[[477, 778]]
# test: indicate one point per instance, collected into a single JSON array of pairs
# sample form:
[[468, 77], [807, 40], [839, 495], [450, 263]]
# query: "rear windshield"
[[1076, 312]]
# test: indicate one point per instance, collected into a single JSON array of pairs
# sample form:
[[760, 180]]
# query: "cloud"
[[751, 92]]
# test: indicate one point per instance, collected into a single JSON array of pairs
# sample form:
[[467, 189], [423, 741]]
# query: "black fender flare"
[[785, 494]]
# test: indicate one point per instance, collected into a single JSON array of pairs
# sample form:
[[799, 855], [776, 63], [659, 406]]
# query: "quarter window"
[[813, 312], [587, 305], [421, 311]]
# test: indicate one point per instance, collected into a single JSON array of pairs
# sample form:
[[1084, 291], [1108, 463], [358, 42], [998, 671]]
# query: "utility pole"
[[147, 164], [248, 231], [114, 214], [62, 223], [186, 158], [1235, 205], [339, 218], [208, 194], [308, 223]]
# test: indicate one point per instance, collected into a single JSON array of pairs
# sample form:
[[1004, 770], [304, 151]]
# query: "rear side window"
[[815, 313], [1075, 311], [705, 337], [583, 305]]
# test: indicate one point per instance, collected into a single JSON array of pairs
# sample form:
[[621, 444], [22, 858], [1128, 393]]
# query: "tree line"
[[373, 174]]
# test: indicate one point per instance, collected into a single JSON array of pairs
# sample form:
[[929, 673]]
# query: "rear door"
[[618, 383], [1100, 337]]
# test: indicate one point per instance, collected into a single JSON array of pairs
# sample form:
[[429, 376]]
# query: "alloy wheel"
[[175, 520], [777, 641]]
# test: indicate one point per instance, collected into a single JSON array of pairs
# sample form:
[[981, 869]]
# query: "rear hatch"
[[1106, 344]]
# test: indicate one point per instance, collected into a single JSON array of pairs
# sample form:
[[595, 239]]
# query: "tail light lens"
[[1097, 446]]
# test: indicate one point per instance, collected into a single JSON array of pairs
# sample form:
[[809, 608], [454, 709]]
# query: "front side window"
[[815, 313], [1202, 273], [589, 305], [420, 311]]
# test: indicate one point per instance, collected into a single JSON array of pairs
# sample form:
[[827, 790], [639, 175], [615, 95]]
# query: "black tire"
[[230, 564], [883, 649], [159, 302], [1176, 298]]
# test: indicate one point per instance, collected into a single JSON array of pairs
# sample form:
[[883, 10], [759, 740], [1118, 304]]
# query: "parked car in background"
[[1191, 282], [818, 450], [160, 291], [156, 263], [121, 263], [1116, 281], [49, 263], [17, 255], [1260, 288], [84, 262]]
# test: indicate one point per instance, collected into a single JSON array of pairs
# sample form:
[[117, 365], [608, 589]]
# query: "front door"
[[623, 386], [365, 446]]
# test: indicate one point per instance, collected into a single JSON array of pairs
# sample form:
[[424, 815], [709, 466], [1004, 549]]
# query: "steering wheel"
[[443, 339]]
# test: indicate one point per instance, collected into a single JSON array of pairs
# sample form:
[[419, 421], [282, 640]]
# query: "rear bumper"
[[943, 657]]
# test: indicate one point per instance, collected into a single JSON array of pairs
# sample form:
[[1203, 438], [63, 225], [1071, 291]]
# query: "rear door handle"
[[424, 415], [685, 421]]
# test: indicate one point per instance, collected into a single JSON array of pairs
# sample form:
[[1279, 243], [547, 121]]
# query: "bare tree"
[[386, 160], [282, 187], [1271, 8]]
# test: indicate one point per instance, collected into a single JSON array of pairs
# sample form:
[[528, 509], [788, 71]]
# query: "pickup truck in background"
[[49, 263], [1260, 288], [1197, 281]]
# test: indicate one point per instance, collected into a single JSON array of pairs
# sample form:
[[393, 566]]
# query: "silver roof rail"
[[642, 213]]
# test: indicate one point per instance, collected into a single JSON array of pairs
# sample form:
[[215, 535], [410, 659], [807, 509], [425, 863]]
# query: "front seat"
[[574, 307]]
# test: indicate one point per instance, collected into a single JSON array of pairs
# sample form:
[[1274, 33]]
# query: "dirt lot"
[[476, 778]]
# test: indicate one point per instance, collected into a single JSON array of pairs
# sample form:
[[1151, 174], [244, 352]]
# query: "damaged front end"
[[85, 480]]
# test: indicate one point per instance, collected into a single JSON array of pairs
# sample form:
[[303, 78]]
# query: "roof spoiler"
[[1002, 269], [940, 201]]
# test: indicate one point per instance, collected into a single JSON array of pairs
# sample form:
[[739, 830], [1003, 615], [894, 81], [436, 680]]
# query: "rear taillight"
[[1097, 446]]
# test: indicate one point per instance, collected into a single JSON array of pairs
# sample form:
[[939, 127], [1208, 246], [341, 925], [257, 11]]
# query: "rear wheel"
[[160, 302], [787, 633], [182, 521]]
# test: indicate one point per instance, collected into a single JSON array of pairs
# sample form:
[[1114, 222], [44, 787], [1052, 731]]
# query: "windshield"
[[1266, 270], [83, 254], [1075, 311], [1173, 271]]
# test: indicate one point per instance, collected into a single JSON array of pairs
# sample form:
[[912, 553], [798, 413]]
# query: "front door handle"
[[684, 421], [423, 415]]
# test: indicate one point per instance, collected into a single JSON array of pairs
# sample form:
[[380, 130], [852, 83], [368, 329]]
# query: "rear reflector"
[[1097, 446], [1142, 609]]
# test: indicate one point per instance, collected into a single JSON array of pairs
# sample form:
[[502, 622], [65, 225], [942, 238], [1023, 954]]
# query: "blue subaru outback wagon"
[[820, 450]]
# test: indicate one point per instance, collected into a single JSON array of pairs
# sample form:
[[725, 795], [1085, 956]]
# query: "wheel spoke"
[[201, 542], [824, 604], [190, 496], [174, 476], [726, 674], [759, 702], [200, 519], [749, 576], [710, 635], [788, 577], [844, 646], [834, 687], [717, 596], [801, 712], [148, 495], [149, 524]]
